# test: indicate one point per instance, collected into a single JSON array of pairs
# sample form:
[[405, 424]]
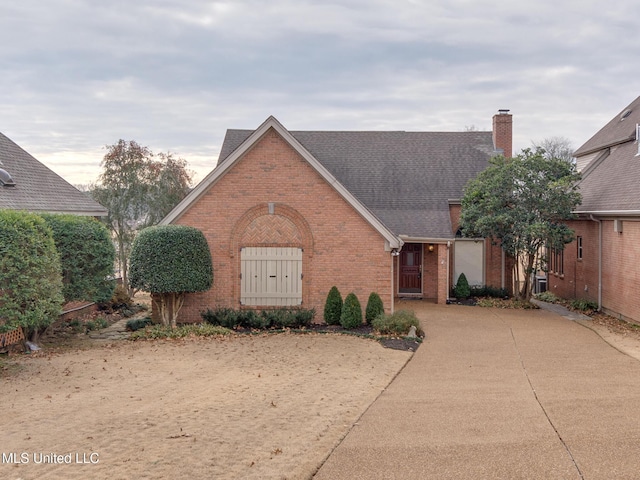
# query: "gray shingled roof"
[[404, 178], [612, 183], [39, 189], [616, 131]]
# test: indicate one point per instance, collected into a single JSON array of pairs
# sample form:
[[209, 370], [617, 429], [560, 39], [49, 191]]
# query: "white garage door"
[[469, 259], [271, 276]]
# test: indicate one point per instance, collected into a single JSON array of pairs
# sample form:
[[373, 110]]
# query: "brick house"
[[601, 264], [289, 214]]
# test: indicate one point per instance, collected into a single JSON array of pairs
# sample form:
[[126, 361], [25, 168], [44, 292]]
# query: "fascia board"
[[609, 213]]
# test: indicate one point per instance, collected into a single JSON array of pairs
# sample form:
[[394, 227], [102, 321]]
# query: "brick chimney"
[[503, 132]]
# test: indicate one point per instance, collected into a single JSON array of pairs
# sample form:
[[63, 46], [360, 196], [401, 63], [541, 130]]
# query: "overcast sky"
[[173, 75]]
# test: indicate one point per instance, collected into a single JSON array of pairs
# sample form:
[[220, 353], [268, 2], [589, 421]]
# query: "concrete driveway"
[[500, 394]]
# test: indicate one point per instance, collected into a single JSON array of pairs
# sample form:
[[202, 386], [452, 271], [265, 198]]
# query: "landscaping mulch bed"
[[396, 343]]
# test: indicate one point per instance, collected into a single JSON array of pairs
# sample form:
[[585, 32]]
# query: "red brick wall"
[[620, 279], [340, 247]]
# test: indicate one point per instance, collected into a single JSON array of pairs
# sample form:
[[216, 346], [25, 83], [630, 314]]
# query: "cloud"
[[174, 75]]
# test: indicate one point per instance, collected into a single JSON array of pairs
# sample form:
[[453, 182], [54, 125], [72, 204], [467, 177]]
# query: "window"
[[556, 261], [579, 243]]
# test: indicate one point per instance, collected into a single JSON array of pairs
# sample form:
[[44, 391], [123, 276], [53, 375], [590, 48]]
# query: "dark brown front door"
[[411, 268]]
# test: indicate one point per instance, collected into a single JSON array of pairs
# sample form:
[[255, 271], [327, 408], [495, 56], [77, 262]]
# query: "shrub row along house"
[[601, 265], [289, 214]]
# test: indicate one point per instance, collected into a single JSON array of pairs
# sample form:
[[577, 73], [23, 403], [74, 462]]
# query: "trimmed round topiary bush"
[[333, 307], [462, 289], [169, 261], [351, 316], [374, 307]]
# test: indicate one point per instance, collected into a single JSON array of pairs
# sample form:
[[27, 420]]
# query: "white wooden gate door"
[[271, 276]]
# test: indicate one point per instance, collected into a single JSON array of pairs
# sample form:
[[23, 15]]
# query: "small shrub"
[[583, 305], [120, 298], [138, 323], [462, 289], [488, 291], [188, 330], [220, 316], [272, 318], [305, 316], [397, 323], [374, 307], [548, 297], [252, 319], [333, 307], [96, 324], [351, 316]]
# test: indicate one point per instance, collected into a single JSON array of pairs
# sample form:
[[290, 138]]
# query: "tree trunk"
[[176, 305], [525, 294], [169, 305]]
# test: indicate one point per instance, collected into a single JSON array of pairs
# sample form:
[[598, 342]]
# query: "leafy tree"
[[30, 274], [351, 316], [171, 183], [333, 307], [169, 261], [138, 191], [522, 203], [555, 147], [374, 308], [87, 256]]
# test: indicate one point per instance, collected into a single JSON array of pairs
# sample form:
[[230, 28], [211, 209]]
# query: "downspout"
[[448, 261], [599, 222], [392, 256], [503, 265]]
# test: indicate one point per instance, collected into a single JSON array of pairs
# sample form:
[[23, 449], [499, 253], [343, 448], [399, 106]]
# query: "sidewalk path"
[[500, 394]]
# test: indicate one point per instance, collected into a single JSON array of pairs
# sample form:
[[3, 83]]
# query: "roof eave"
[[598, 148], [609, 213]]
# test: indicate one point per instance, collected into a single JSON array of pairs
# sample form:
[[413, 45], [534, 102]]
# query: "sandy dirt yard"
[[262, 407]]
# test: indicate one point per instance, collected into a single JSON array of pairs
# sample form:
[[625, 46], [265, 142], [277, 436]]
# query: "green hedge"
[[273, 318], [30, 273], [87, 257]]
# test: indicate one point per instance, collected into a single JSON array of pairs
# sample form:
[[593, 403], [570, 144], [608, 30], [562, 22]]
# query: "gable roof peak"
[[620, 129]]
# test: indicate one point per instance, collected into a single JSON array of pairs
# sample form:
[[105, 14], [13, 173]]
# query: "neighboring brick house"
[[289, 214], [26, 184], [601, 264]]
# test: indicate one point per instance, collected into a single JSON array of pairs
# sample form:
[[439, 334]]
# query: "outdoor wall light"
[[430, 247]]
